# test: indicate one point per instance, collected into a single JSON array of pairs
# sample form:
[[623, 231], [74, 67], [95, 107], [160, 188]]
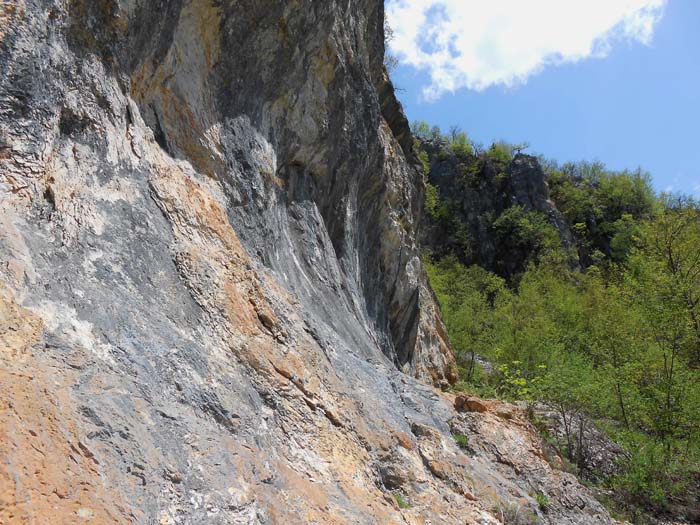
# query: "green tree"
[[460, 144], [421, 129], [570, 388], [602, 206], [523, 237], [467, 298], [664, 275], [500, 152]]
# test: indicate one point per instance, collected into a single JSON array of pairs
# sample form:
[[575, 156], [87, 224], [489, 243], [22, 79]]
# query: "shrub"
[[425, 162], [421, 128], [542, 501], [437, 209], [461, 440], [461, 145], [500, 152]]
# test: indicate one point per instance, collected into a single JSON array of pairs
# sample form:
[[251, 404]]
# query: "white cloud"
[[481, 43]]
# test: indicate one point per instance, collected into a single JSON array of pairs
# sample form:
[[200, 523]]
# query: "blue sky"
[[629, 99]]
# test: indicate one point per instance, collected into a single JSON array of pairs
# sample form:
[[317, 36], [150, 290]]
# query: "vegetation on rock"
[[401, 502], [604, 332]]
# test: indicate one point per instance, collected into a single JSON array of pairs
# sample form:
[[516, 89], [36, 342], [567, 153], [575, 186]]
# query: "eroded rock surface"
[[212, 308], [478, 189]]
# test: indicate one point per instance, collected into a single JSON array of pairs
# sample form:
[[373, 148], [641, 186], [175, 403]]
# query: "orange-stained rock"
[[216, 308], [404, 440], [466, 403], [48, 475]]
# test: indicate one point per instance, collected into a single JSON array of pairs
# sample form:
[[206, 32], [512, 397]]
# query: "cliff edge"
[[212, 306]]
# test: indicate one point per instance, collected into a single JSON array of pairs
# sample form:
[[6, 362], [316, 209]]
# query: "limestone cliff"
[[212, 308], [477, 189]]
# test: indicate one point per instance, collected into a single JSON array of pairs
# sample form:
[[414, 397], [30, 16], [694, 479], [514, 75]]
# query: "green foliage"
[[481, 197], [461, 145], [625, 193], [467, 297], [390, 61], [527, 234], [425, 161], [500, 152], [435, 206], [645, 477], [620, 345], [612, 342], [474, 380], [461, 440], [624, 234], [501, 180], [401, 502], [515, 381], [604, 206], [542, 501], [420, 129], [526, 229]]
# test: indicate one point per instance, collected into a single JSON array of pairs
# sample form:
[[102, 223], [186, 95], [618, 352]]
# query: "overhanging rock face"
[[212, 308]]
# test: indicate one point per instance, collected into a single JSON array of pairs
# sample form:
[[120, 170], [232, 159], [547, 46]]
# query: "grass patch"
[[401, 502], [542, 501], [461, 440]]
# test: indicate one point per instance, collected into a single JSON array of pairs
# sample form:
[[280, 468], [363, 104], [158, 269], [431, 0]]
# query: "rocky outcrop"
[[212, 308], [508, 457], [477, 189], [529, 189]]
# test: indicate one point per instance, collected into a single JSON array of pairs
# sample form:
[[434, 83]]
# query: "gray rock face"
[[530, 190], [212, 308], [479, 190]]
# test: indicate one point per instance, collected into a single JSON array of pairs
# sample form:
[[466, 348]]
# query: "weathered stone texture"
[[212, 308]]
